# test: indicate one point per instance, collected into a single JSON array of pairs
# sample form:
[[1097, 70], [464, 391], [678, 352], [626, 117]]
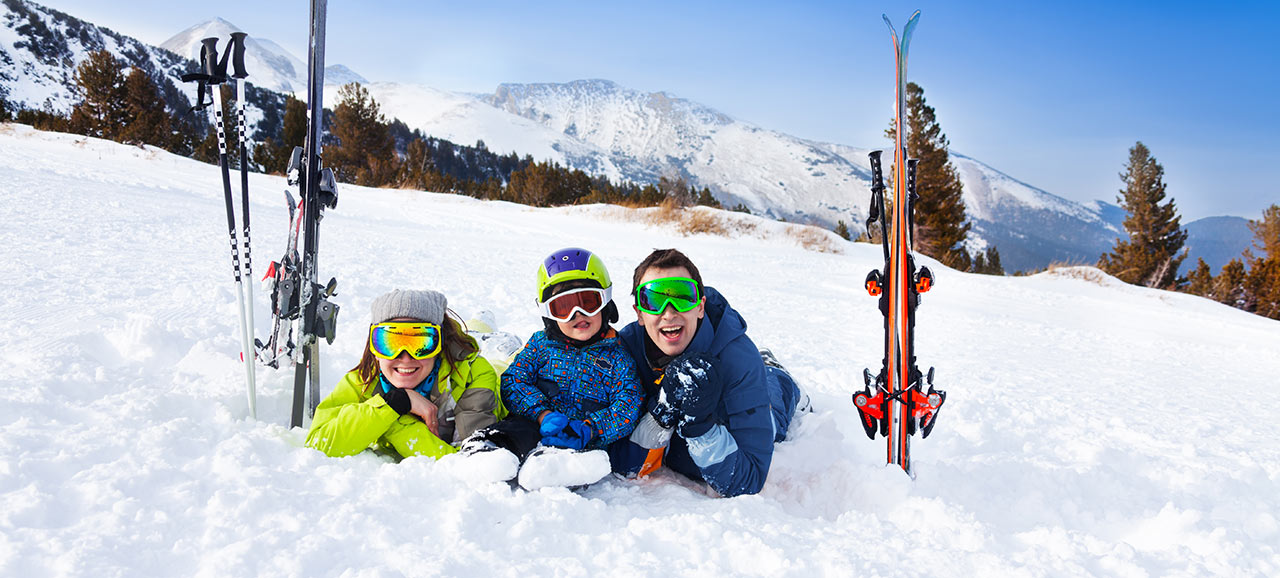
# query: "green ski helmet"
[[570, 264]]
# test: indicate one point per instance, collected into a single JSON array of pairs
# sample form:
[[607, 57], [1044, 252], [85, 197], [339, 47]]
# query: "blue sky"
[[1053, 94]]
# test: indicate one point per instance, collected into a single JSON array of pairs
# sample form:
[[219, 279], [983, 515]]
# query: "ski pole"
[[215, 71], [236, 50]]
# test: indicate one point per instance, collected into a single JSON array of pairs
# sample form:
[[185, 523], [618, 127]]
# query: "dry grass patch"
[[700, 220], [1078, 271], [814, 238]]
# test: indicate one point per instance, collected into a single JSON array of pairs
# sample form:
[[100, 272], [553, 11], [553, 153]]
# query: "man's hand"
[[692, 388]]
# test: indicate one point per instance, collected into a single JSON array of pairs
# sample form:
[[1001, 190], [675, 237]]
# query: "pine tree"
[[1153, 253], [940, 222], [148, 120], [1229, 285], [100, 83], [273, 155], [842, 229], [1266, 232], [1200, 280], [1263, 283], [987, 262], [1263, 287], [365, 153], [706, 199]]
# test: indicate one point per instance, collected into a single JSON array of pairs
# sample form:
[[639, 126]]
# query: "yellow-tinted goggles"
[[421, 340]]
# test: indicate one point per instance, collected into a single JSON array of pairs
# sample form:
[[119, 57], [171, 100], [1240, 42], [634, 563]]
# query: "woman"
[[419, 387]]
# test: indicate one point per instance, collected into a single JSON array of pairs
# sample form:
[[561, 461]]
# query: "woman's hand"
[[425, 410]]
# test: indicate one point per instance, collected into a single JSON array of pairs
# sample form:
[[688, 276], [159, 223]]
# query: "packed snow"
[[1091, 428]]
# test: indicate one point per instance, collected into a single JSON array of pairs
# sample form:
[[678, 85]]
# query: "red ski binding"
[[923, 406]]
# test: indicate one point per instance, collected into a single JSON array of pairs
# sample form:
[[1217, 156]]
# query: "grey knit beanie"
[[425, 304]]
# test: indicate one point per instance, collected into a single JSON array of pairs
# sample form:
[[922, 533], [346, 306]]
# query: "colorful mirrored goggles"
[[588, 300], [421, 340], [679, 292]]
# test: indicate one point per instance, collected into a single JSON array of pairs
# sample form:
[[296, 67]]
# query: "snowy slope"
[[1092, 428]]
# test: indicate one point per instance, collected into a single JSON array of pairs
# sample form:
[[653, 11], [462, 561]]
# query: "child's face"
[[672, 331], [582, 327]]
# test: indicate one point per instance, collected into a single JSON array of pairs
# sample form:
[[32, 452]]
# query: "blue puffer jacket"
[[596, 383], [734, 457]]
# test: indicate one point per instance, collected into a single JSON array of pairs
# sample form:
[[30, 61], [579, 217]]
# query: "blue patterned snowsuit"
[[596, 383]]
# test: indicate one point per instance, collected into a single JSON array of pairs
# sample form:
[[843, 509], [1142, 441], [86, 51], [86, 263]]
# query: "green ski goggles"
[[679, 292]]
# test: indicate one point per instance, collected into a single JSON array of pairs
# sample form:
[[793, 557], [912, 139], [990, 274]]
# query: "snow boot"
[[489, 460], [548, 466]]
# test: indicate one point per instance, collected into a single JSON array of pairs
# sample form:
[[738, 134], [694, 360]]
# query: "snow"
[[1091, 428]]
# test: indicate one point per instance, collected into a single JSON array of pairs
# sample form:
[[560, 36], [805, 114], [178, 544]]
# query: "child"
[[419, 387], [572, 386]]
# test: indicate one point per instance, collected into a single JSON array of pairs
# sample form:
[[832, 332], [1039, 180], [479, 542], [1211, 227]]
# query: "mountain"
[[593, 125], [651, 135], [269, 64], [601, 127], [40, 48], [1217, 240], [1031, 227]]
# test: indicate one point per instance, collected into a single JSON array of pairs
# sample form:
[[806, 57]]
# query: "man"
[[714, 403]]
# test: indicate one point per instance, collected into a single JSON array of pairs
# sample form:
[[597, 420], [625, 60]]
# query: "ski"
[[282, 278], [317, 190], [894, 402], [213, 74]]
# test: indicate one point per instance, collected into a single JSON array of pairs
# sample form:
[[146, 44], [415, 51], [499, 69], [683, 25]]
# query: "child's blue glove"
[[571, 434], [552, 423]]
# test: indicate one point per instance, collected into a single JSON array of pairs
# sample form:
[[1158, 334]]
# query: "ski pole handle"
[[237, 55], [877, 190], [209, 58], [877, 175]]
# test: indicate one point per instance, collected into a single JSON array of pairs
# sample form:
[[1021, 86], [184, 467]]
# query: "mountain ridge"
[[594, 125]]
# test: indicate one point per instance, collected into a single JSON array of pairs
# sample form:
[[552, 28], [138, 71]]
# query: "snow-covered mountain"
[[599, 126], [1031, 227], [654, 134], [269, 64], [594, 125], [41, 47]]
